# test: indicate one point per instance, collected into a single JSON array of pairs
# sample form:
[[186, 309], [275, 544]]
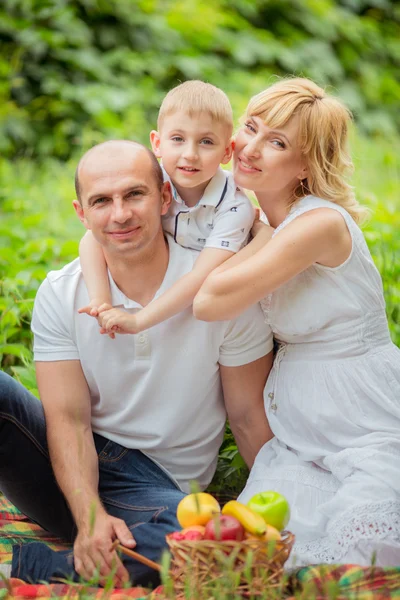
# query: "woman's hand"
[[261, 228]]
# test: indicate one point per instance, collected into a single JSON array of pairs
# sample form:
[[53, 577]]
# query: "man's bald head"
[[102, 151]]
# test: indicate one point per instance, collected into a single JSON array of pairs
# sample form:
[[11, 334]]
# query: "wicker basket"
[[248, 567]]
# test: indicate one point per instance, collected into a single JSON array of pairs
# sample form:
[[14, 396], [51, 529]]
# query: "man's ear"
[[228, 152], [166, 197], [80, 212], [155, 143]]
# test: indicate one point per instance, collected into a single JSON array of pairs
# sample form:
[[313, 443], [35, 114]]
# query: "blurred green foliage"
[[73, 72]]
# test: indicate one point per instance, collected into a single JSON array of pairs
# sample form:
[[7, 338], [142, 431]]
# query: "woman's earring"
[[302, 187]]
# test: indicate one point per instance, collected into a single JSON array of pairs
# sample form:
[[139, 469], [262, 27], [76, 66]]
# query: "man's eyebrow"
[[129, 188]]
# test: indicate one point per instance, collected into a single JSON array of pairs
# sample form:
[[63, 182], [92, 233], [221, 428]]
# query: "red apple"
[[224, 527], [176, 535], [193, 533]]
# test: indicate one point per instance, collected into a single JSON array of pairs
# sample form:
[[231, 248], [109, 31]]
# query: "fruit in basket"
[[224, 527], [193, 533], [272, 507], [197, 509], [176, 535], [270, 535], [251, 521]]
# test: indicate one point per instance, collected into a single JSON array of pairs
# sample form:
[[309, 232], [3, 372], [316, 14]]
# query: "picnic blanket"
[[319, 582]]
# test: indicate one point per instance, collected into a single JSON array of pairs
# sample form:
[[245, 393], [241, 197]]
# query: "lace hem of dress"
[[370, 522]]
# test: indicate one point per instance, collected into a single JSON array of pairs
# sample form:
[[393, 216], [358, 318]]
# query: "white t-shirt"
[[158, 391], [221, 219]]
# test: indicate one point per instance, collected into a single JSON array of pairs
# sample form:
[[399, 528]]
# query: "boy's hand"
[[94, 307], [116, 320]]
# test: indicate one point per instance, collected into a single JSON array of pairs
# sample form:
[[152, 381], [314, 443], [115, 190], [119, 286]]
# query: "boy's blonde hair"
[[322, 137], [195, 97]]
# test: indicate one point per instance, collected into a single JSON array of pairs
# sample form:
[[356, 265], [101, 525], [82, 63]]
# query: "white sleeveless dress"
[[333, 403]]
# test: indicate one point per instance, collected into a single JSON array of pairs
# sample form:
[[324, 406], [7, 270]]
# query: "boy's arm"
[[179, 297], [94, 271]]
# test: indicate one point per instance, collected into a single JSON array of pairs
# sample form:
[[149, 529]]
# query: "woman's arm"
[[94, 271], [319, 236], [261, 233]]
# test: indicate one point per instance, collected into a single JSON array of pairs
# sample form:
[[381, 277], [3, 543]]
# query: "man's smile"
[[124, 233]]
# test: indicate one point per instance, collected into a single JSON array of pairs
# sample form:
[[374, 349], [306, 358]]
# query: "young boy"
[[208, 212]]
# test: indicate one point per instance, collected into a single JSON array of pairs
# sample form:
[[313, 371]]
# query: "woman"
[[333, 395]]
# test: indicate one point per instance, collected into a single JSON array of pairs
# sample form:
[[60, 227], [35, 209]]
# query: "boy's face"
[[192, 148]]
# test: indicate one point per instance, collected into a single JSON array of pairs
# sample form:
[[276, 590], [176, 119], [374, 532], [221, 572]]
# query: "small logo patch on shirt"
[[201, 240], [225, 244], [234, 209]]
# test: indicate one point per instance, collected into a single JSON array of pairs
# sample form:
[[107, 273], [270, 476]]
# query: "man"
[[129, 421]]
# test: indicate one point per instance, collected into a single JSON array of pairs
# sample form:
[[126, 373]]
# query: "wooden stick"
[[139, 557]]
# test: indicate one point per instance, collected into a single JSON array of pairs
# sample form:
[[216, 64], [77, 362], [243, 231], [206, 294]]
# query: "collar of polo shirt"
[[212, 194], [173, 273]]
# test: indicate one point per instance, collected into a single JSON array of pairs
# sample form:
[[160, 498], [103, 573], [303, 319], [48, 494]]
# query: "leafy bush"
[[74, 72]]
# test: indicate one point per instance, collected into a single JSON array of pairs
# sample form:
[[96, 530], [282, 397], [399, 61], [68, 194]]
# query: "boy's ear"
[[155, 143], [166, 197], [80, 212], [228, 152]]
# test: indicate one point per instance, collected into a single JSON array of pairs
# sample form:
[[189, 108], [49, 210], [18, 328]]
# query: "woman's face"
[[268, 160]]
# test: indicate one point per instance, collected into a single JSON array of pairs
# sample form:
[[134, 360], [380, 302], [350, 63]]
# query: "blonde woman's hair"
[[322, 137], [195, 97]]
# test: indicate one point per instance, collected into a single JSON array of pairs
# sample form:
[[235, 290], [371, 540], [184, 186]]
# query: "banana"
[[251, 521]]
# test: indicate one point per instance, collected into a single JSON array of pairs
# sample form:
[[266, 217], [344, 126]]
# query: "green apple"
[[273, 507]]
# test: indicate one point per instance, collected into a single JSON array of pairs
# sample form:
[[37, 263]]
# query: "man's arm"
[[66, 401], [243, 389]]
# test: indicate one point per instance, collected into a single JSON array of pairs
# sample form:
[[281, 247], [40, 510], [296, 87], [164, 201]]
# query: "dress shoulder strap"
[[312, 202], [358, 243]]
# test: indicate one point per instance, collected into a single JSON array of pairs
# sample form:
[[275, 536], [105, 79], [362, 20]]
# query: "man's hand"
[[93, 552], [116, 320]]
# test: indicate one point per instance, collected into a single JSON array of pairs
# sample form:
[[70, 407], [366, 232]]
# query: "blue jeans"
[[131, 486]]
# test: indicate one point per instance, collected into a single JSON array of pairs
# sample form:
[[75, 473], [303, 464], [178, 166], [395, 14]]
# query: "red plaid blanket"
[[15, 528], [321, 582]]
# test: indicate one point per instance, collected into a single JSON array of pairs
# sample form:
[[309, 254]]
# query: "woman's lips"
[[246, 167]]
